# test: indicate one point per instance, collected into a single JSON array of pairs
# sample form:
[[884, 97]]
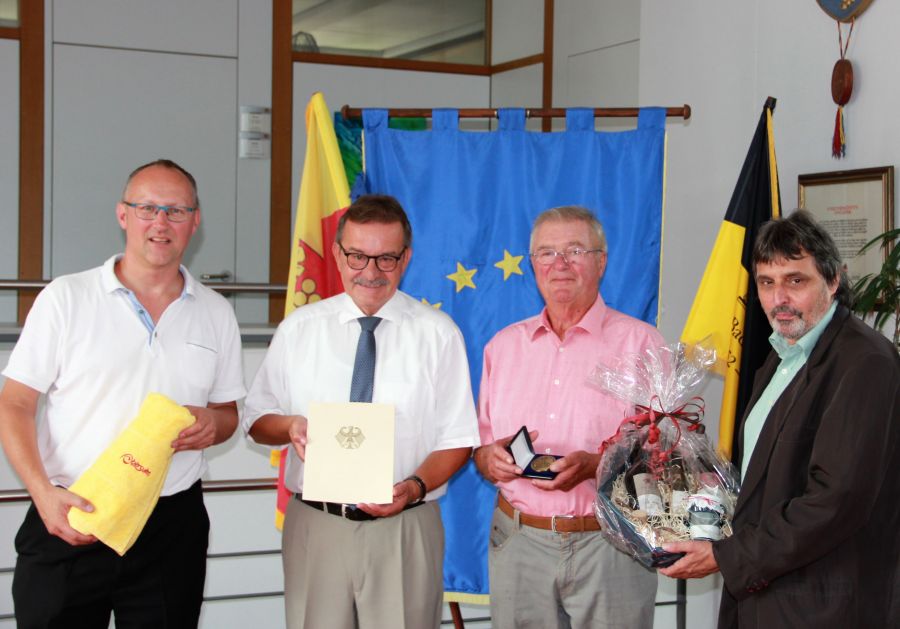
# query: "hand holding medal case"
[[533, 465]]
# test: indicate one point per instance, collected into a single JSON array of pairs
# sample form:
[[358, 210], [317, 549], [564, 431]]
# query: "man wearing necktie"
[[368, 565]]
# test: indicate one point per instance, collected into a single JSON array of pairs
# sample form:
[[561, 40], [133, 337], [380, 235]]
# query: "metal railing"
[[209, 486], [266, 484], [256, 333], [222, 287]]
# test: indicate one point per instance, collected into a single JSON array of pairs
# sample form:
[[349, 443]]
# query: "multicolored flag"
[[324, 196], [726, 306]]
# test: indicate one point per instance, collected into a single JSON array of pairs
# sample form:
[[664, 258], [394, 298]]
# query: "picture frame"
[[854, 206]]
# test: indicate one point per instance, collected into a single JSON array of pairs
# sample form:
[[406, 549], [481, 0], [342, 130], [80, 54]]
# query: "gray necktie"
[[363, 380]]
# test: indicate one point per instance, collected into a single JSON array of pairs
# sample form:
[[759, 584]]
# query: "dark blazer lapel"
[[781, 410], [825, 341]]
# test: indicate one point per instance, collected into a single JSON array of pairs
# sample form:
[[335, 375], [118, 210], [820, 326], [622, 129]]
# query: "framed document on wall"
[[854, 206]]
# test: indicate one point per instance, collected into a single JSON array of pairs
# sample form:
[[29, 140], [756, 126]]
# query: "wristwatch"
[[422, 489]]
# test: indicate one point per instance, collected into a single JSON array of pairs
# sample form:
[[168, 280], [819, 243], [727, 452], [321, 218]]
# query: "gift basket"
[[659, 479]]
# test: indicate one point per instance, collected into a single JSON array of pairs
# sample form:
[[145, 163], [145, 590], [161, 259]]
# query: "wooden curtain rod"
[[609, 112]]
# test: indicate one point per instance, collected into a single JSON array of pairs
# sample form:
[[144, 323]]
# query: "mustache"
[[777, 310], [376, 283]]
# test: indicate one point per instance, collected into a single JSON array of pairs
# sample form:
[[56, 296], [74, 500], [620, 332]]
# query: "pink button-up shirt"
[[533, 378]]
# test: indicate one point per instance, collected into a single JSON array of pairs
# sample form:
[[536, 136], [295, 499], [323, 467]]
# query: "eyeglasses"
[[385, 262], [572, 255], [148, 211]]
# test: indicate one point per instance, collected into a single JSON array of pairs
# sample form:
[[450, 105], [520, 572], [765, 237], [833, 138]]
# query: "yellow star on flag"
[[436, 306], [509, 264], [462, 277]]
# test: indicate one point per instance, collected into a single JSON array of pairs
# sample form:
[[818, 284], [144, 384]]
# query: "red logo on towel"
[[128, 459]]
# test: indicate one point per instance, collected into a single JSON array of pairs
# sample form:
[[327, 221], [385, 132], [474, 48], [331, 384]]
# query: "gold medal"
[[542, 463]]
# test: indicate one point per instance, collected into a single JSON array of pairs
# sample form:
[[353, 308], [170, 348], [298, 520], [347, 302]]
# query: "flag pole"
[[683, 111], [726, 305]]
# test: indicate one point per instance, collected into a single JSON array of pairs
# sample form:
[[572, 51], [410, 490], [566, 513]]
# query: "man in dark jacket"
[[816, 540]]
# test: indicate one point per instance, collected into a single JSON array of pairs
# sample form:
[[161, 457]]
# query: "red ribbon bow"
[[691, 412]]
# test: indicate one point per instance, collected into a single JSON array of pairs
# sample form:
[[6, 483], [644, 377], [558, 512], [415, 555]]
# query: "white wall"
[[517, 32], [595, 53], [595, 57], [804, 119], [724, 59], [253, 179], [127, 82], [373, 87], [114, 109], [517, 29], [122, 77], [9, 172], [200, 27], [132, 82]]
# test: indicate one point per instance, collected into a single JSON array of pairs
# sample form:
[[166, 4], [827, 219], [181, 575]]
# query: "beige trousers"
[[381, 574], [546, 580]]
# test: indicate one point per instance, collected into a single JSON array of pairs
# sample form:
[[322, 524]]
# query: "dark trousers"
[[157, 584]]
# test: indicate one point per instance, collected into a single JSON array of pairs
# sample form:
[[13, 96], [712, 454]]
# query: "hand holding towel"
[[125, 481]]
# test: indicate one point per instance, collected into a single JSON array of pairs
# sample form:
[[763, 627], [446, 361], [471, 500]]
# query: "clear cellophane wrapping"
[[665, 437]]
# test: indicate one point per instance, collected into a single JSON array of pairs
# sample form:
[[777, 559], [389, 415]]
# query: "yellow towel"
[[125, 481]]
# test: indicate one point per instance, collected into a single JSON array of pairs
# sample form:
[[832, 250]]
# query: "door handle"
[[224, 275]]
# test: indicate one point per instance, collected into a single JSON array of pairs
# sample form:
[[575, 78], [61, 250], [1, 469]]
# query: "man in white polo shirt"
[[94, 344]]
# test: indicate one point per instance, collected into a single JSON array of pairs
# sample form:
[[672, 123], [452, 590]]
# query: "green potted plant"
[[879, 293]]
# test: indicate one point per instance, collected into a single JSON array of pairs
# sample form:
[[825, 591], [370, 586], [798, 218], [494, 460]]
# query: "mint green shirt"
[[793, 357]]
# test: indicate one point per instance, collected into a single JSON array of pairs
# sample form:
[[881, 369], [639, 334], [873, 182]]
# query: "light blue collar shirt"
[[793, 357]]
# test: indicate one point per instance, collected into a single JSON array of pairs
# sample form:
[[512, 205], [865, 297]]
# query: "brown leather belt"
[[555, 523]]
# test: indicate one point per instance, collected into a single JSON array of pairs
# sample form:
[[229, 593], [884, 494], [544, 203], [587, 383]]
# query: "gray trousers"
[[381, 574], [543, 580]]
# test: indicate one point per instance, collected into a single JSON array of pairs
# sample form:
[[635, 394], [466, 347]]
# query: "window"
[[451, 31], [9, 13]]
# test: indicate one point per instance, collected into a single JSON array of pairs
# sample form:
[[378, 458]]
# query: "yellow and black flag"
[[726, 306]]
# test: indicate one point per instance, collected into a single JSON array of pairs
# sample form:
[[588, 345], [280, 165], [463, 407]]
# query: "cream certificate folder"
[[349, 453]]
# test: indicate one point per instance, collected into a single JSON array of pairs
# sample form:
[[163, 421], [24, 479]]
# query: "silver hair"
[[570, 213]]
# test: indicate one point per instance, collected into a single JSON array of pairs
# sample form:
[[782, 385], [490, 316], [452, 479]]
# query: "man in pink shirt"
[[549, 565]]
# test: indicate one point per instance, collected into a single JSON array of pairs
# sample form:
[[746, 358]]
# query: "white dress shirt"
[[421, 368]]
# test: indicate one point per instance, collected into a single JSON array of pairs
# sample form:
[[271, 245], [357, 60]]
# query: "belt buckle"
[[344, 511], [553, 521]]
